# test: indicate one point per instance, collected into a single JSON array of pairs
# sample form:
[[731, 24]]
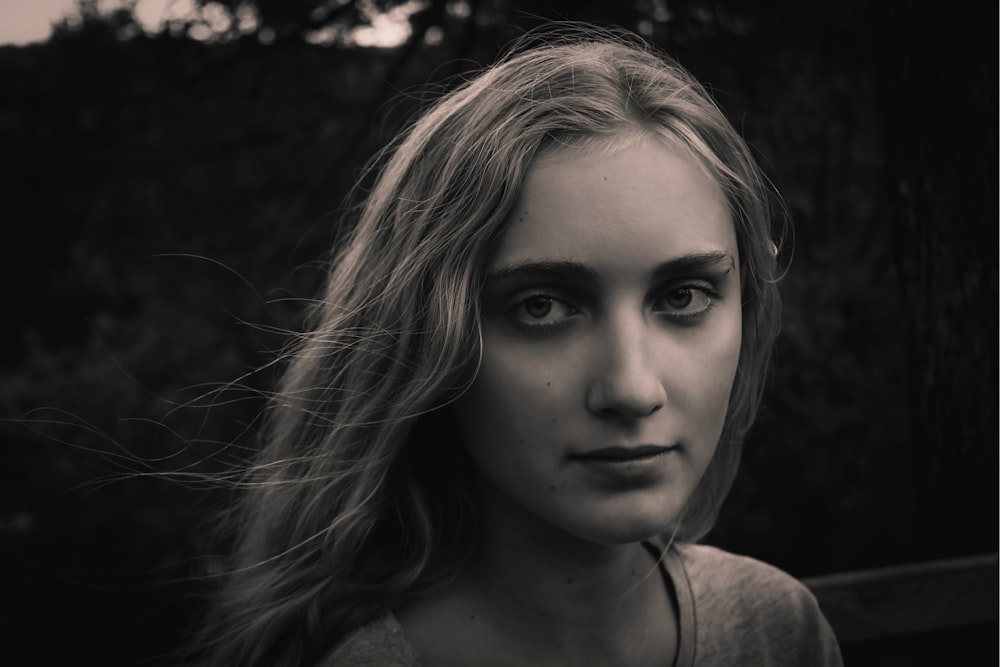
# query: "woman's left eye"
[[686, 302]]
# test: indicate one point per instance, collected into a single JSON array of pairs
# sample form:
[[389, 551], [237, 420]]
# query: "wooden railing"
[[909, 599]]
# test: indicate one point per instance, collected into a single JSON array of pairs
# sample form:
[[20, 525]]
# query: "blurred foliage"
[[168, 204]]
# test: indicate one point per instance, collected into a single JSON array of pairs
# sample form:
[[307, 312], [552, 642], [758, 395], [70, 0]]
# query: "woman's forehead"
[[642, 202]]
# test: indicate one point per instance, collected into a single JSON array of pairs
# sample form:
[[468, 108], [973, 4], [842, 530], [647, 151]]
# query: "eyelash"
[[710, 293], [537, 326], [685, 319]]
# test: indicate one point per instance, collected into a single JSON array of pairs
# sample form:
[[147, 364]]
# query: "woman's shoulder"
[[743, 604], [381, 643], [714, 571]]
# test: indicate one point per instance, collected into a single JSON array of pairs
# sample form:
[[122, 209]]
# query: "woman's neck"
[[533, 594], [526, 563]]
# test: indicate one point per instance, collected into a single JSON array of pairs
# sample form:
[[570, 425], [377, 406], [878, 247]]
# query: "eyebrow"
[[706, 261], [548, 268], [575, 271]]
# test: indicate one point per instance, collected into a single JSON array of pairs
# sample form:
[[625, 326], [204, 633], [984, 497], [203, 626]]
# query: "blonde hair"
[[359, 497]]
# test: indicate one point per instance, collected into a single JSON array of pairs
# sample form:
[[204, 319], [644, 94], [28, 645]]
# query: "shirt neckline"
[[670, 565]]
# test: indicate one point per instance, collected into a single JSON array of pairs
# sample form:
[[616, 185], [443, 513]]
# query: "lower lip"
[[635, 470]]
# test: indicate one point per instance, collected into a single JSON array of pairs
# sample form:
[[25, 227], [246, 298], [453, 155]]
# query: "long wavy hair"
[[360, 495]]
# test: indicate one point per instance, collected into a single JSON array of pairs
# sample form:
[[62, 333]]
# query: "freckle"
[[548, 384], [520, 440], [552, 487], [569, 581], [472, 617]]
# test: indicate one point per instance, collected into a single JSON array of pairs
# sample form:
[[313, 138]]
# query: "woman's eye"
[[686, 302], [541, 310]]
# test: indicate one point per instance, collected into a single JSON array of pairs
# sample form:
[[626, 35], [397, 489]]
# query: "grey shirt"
[[732, 610]]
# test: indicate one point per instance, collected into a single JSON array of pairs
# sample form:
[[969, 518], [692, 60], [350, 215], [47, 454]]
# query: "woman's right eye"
[[542, 310]]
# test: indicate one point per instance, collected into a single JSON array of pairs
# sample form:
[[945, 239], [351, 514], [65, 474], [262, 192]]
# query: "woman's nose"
[[627, 384]]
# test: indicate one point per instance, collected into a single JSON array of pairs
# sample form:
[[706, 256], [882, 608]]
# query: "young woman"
[[523, 397]]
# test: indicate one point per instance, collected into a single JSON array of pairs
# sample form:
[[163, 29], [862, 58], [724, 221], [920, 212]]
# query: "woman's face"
[[611, 336]]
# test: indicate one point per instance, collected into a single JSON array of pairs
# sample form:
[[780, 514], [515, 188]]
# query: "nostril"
[[625, 401]]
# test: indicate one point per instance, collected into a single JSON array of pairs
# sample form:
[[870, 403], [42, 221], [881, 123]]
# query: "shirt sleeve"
[[751, 613], [381, 643]]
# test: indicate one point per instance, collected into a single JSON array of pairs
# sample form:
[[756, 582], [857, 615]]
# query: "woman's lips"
[[623, 467], [623, 454]]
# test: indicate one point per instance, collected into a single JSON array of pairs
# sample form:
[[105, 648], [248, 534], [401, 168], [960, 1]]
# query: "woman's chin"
[[628, 529]]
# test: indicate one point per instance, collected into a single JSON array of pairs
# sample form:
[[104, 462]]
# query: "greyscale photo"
[[347, 333]]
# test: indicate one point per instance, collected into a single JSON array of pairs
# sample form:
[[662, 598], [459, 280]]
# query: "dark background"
[[166, 205]]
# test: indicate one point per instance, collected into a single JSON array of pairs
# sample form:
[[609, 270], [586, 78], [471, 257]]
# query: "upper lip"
[[621, 453]]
